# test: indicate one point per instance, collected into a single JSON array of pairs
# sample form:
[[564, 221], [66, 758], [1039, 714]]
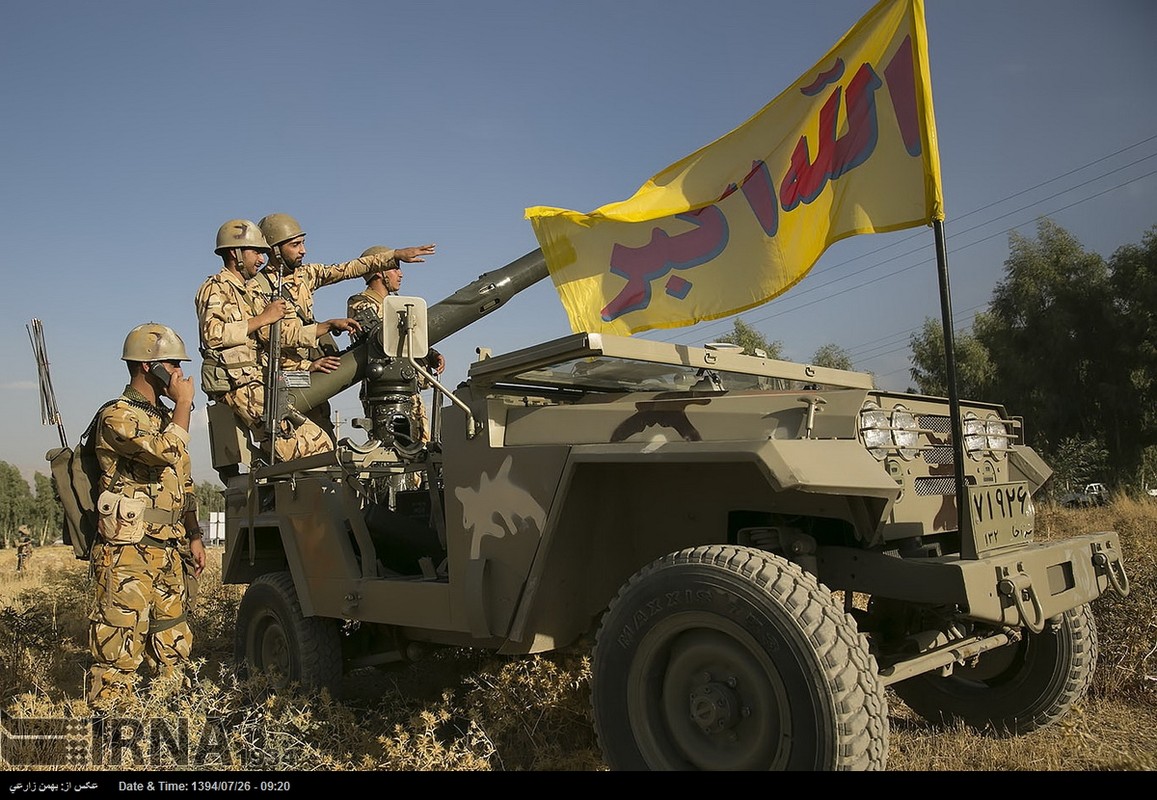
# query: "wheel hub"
[[714, 707]]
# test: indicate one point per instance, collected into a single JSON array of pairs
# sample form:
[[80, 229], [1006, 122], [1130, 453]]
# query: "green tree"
[[1132, 400], [973, 365], [48, 514], [1076, 462], [1047, 332], [210, 497], [752, 341], [15, 503], [832, 356]]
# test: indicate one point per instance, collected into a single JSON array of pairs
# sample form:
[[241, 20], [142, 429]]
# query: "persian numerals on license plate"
[[1002, 515]]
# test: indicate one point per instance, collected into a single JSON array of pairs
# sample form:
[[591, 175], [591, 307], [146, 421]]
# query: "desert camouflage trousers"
[[306, 439], [138, 614]]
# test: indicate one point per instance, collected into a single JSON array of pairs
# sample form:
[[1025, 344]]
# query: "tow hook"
[[1110, 563], [1017, 587]]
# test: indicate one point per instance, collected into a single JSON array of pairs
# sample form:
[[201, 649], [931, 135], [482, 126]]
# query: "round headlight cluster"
[[985, 435], [889, 431]]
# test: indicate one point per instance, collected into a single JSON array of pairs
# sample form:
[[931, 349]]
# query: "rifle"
[[273, 380]]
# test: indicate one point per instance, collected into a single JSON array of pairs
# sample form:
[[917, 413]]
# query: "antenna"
[[49, 411]]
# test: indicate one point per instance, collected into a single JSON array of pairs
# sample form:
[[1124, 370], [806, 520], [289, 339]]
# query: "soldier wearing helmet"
[[147, 518], [231, 314], [298, 283], [23, 547]]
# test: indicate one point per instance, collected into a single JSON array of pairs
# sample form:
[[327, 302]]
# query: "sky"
[[130, 131]]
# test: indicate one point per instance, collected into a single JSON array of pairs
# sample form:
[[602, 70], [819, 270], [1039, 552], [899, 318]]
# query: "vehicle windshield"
[[589, 362], [599, 373]]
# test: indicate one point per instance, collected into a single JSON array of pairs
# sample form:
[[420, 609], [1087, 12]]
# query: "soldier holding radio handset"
[[147, 520]]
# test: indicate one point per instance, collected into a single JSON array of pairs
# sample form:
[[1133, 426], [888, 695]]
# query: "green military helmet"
[[279, 228], [240, 233], [154, 342], [373, 251]]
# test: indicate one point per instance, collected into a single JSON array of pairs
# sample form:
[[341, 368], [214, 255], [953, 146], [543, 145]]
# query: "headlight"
[[874, 429], [985, 435], [904, 432], [887, 431], [998, 436]]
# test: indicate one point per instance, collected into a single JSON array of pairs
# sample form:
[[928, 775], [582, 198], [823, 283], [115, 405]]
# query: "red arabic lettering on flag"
[[850, 148]]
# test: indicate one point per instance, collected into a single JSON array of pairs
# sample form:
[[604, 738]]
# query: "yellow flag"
[[849, 148]]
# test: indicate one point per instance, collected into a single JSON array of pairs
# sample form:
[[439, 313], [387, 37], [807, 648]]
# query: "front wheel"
[[730, 658], [1015, 689], [273, 637]]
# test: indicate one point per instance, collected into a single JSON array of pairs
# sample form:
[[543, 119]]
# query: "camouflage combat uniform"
[[297, 288], [138, 611], [232, 372], [23, 549], [300, 347]]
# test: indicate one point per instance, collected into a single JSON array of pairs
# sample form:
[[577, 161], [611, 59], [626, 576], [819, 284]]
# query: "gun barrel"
[[490, 291]]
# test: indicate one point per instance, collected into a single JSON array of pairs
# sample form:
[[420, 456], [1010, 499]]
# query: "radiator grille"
[[935, 424], [935, 486], [938, 455]]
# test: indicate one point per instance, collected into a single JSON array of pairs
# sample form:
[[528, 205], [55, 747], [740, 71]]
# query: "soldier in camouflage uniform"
[[298, 282], [23, 547], [230, 314], [147, 520]]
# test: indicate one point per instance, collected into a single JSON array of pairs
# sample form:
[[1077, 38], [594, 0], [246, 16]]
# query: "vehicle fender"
[[835, 466]]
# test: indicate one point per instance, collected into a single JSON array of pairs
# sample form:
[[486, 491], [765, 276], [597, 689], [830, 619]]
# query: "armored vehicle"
[[758, 548]]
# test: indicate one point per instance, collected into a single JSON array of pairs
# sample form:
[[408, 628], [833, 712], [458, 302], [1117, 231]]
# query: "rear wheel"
[[729, 658], [273, 637], [1015, 689]]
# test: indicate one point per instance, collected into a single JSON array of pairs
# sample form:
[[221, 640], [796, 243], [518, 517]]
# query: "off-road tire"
[[723, 657], [273, 637], [1015, 689]]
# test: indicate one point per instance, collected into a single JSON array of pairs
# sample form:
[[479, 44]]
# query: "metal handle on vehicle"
[[1110, 562], [1015, 587]]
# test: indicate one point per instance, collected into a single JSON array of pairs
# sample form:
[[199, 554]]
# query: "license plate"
[[1001, 515]]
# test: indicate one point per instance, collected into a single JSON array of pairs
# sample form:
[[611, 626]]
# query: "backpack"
[[77, 475]]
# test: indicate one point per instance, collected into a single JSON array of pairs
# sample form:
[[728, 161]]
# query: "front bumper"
[[1024, 586]]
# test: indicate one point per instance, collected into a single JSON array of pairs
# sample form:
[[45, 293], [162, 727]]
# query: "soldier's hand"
[[180, 389], [325, 364], [275, 310], [344, 324], [413, 254], [197, 548]]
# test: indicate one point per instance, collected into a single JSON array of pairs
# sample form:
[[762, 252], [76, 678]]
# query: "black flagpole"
[[950, 370]]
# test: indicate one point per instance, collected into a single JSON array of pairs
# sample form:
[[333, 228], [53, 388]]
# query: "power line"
[[698, 331]]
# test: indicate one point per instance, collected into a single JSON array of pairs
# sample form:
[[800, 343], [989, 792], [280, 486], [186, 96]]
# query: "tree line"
[[1069, 343]]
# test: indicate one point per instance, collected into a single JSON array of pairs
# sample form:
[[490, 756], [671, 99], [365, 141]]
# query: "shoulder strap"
[[88, 432], [91, 429]]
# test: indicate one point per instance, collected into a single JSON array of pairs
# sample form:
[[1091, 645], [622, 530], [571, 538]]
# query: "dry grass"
[[464, 710]]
